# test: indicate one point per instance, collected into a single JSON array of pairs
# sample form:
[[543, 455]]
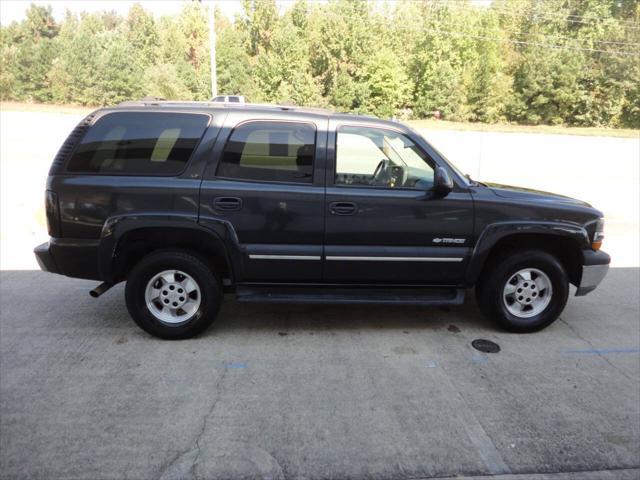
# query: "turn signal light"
[[598, 237]]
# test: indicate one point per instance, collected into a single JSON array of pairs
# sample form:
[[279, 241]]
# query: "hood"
[[520, 193]]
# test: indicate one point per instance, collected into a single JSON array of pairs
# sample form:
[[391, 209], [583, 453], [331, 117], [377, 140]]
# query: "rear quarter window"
[[139, 143]]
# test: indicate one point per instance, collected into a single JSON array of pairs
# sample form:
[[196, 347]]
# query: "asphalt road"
[[297, 392]]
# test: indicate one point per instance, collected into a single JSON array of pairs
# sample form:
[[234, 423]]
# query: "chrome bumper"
[[592, 275]]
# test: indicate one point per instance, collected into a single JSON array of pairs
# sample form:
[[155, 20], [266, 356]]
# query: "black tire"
[[489, 290], [210, 296]]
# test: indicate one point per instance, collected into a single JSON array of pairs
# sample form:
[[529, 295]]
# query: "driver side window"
[[376, 157]]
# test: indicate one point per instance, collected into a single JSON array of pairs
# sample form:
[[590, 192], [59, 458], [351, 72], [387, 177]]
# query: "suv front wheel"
[[523, 292], [172, 295]]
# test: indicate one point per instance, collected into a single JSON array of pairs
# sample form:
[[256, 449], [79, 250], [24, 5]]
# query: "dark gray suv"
[[188, 201]]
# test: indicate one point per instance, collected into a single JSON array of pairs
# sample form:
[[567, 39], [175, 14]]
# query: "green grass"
[[510, 128]]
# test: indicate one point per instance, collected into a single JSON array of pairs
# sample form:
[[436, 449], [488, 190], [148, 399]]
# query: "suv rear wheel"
[[172, 295], [525, 291]]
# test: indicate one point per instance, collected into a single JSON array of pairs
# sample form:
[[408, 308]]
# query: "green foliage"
[[162, 80], [117, 77], [553, 62], [387, 84], [259, 22], [283, 72], [142, 35], [630, 114], [233, 63], [547, 87]]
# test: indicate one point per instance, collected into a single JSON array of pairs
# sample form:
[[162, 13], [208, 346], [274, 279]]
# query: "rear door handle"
[[343, 208], [227, 204]]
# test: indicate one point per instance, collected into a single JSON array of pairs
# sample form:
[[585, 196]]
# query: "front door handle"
[[343, 208], [227, 204]]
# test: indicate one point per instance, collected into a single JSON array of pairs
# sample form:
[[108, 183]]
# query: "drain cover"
[[486, 346]]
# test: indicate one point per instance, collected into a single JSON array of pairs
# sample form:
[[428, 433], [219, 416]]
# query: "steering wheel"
[[381, 168], [399, 175]]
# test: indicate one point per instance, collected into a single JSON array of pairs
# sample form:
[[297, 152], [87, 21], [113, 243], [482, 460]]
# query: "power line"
[[607, 42], [568, 17], [546, 36], [552, 46], [538, 44]]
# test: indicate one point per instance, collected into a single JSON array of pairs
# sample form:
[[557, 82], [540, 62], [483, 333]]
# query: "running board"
[[351, 295]]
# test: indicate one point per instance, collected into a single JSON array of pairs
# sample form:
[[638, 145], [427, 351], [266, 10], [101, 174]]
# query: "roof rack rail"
[[161, 102]]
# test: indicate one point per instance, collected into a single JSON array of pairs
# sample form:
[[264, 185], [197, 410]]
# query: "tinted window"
[[139, 143], [270, 151], [382, 158]]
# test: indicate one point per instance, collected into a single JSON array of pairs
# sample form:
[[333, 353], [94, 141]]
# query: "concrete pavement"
[[298, 392], [315, 392]]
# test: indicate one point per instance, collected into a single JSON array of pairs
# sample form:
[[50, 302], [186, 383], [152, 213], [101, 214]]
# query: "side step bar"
[[351, 295]]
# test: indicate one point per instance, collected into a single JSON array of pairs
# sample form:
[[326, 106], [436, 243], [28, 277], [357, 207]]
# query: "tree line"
[[573, 62]]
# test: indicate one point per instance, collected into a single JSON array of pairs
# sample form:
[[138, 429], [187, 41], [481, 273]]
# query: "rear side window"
[[139, 143], [270, 151]]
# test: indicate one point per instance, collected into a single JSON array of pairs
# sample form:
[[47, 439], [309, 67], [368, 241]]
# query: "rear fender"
[[218, 235]]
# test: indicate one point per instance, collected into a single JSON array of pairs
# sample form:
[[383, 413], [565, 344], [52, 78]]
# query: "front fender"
[[495, 232]]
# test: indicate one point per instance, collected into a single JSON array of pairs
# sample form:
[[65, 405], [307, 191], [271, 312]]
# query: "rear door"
[[267, 180], [384, 225]]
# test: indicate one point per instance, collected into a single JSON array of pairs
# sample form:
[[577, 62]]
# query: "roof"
[[251, 107]]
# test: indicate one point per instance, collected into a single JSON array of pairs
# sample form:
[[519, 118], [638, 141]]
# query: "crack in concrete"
[[479, 437], [599, 354], [205, 421], [195, 445], [167, 465]]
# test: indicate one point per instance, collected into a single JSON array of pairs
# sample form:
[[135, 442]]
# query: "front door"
[[384, 225], [265, 184]]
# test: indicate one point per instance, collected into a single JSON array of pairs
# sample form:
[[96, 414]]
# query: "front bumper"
[[594, 269]]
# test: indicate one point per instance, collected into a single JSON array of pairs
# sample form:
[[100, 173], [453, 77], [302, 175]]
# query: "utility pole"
[[212, 48]]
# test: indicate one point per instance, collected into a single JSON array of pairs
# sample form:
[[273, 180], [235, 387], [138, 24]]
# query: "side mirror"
[[442, 183]]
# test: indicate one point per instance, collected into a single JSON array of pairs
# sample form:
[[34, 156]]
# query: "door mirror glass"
[[442, 183]]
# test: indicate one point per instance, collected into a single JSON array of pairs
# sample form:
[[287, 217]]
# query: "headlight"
[[598, 235]]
